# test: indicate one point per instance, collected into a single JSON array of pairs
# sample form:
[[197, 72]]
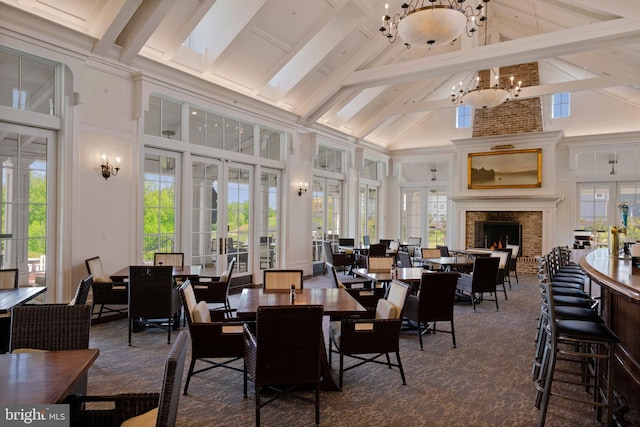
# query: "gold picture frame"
[[506, 169]]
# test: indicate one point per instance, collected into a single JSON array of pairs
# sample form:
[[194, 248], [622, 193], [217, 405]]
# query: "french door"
[[221, 220], [25, 191]]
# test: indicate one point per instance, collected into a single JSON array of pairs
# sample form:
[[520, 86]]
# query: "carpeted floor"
[[485, 381]]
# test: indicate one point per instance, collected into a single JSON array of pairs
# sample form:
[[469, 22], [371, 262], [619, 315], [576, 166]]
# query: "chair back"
[[485, 274], [328, 251], [152, 292], [394, 245], [282, 279], [346, 242], [429, 253], [83, 291], [416, 241], [94, 267], [378, 249], [437, 296], [227, 276], [404, 259], [503, 267], [515, 252], [171, 383], [288, 344], [379, 263], [9, 278], [51, 327], [174, 259], [333, 277], [385, 242], [366, 240], [444, 250], [189, 301], [397, 295]]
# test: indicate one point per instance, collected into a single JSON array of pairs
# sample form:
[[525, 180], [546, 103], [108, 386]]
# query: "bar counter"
[[620, 291]]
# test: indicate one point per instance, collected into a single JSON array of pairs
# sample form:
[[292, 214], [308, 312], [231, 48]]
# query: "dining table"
[[410, 275], [44, 377], [336, 303], [10, 298], [448, 263], [186, 272]]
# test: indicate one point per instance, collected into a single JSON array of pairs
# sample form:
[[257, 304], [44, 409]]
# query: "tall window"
[[268, 219], [326, 213], [369, 211], [560, 105], [594, 207], [160, 213], [437, 217], [411, 209], [463, 116]]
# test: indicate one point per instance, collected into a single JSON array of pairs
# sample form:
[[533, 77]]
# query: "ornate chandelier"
[[488, 97], [433, 24]]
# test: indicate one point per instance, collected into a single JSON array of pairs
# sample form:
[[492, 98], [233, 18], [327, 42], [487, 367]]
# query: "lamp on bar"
[[488, 97], [433, 22]]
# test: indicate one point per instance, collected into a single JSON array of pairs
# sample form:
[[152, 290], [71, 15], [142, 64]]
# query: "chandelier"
[[488, 97], [433, 24]]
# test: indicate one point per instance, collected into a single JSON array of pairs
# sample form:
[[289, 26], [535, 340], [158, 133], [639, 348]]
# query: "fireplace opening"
[[497, 234]]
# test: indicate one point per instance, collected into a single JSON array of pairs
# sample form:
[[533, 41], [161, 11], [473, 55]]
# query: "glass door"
[[221, 216], [25, 193]]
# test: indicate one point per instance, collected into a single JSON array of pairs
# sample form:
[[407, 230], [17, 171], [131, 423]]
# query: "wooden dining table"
[[459, 263], [335, 302], [41, 378], [186, 272], [407, 274]]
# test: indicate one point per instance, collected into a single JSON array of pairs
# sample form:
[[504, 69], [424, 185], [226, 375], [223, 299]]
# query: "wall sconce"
[[302, 188], [434, 177], [613, 162], [109, 169]]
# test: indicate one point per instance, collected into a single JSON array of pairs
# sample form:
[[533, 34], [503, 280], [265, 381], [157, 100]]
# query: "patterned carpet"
[[485, 381]]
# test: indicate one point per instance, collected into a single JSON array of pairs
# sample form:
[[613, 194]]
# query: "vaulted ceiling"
[[326, 62]]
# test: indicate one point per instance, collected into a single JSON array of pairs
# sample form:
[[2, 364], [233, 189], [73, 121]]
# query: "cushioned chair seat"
[[146, 419]]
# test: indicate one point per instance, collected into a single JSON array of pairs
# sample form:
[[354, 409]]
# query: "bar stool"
[[588, 344]]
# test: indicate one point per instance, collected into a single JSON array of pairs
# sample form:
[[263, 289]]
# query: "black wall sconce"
[[302, 188], [109, 169]]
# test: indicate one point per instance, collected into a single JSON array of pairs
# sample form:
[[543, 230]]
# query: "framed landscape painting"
[[509, 169]]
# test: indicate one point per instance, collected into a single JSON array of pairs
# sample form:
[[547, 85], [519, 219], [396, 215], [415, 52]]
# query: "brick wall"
[[513, 117]]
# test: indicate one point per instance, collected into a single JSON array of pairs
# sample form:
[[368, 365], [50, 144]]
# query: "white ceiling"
[[326, 62]]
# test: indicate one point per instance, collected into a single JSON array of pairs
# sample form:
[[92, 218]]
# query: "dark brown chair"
[[378, 249], [215, 289], [82, 292], [136, 409], [513, 265], [210, 339], [434, 303], [111, 297], [153, 298], [338, 260], [504, 255], [282, 279], [346, 281], [444, 250], [366, 340], [404, 259], [51, 327], [284, 352], [483, 280]]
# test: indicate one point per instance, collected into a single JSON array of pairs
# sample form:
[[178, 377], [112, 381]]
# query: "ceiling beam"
[[564, 42], [117, 19], [145, 21]]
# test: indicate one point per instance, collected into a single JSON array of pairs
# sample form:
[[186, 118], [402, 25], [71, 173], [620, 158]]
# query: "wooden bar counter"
[[621, 311]]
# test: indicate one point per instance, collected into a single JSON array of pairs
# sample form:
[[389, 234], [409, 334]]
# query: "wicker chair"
[[434, 303], [378, 250], [82, 292], [284, 352], [210, 340], [513, 265], [282, 279], [404, 259], [215, 289], [366, 340], [153, 298], [338, 260], [111, 297], [139, 409], [483, 280], [345, 281], [174, 259], [504, 255], [51, 327]]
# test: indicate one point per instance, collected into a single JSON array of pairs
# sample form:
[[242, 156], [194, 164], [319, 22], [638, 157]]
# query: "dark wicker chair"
[[111, 297], [338, 260], [159, 409], [153, 298], [82, 292], [210, 340], [282, 279], [404, 259], [346, 281], [444, 250], [215, 289], [366, 340], [51, 327], [434, 303], [483, 280], [513, 264], [174, 259], [378, 249], [284, 352], [503, 269]]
